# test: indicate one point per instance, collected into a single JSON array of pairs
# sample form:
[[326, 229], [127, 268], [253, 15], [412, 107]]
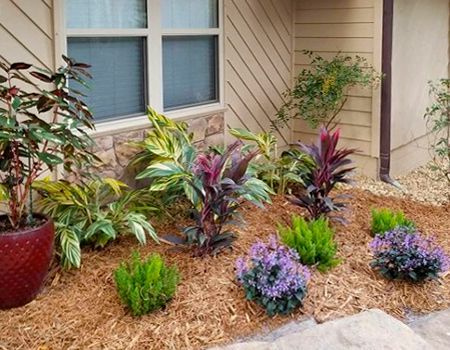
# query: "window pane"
[[190, 14], [118, 68], [106, 13], [189, 70]]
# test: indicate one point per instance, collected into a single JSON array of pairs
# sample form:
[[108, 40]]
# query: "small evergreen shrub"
[[313, 241], [273, 277], [384, 220], [400, 254], [145, 285]]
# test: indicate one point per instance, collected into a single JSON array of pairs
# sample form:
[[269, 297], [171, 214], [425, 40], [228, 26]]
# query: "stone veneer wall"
[[115, 152]]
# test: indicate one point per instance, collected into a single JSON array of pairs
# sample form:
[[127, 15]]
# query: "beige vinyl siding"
[[351, 27], [26, 31], [258, 62]]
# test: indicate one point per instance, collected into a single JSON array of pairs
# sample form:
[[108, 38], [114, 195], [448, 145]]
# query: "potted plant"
[[43, 126]]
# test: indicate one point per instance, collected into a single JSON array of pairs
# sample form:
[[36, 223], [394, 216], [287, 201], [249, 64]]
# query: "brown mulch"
[[81, 310]]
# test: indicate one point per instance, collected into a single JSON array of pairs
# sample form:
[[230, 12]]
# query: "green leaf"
[[161, 170], [16, 103], [70, 246], [4, 193], [49, 159], [243, 134]]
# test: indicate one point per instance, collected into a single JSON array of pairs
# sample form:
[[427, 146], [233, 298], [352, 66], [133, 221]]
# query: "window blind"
[[189, 70], [118, 68]]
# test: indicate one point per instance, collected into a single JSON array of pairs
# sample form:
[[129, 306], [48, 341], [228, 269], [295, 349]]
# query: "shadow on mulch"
[[81, 310]]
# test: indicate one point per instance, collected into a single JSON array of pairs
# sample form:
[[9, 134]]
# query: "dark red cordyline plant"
[[220, 183], [332, 167]]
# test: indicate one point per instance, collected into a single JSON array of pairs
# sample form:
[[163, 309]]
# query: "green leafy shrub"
[[313, 241], [280, 173], [319, 93], [384, 220], [145, 286], [94, 213], [438, 120], [43, 126]]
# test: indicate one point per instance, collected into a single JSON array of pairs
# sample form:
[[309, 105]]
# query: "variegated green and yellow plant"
[[93, 214]]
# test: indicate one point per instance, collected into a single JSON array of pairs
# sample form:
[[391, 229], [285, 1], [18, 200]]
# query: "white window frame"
[[154, 80]]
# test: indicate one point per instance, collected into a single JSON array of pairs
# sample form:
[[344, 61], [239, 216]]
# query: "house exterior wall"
[[351, 27], [420, 54], [263, 40], [258, 62], [26, 32]]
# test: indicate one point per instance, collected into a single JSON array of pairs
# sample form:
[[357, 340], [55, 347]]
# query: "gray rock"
[[435, 329], [290, 328], [215, 124], [215, 140], [370, 330], [248, 346], [198, 128]]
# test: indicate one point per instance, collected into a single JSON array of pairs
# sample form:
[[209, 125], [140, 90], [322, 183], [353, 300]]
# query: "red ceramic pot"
[[25, 257]]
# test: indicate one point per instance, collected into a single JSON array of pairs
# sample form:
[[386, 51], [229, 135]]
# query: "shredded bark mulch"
[[81, 309]]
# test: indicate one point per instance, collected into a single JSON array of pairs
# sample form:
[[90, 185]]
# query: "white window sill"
[[119, 126]]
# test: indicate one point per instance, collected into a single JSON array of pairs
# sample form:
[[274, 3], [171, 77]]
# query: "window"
[[164, 53]]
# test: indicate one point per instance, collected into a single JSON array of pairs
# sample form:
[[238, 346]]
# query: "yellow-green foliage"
[[384, 220], [146, 285], [313, 241]]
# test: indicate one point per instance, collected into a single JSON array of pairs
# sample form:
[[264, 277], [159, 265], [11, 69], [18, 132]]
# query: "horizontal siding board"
[[362, 147], [357, 15], [334, 4], [334, 30], [363, 45], [301, 59], [329, 27], [346, 117]]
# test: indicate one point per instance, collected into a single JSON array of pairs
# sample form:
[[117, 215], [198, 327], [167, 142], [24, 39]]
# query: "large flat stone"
[[435, 329], [370, 330]]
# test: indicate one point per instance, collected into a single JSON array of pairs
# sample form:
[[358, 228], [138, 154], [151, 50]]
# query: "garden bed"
[[81, 309]]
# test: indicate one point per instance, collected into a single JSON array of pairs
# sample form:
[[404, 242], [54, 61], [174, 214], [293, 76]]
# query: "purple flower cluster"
[[273, 276], [400, 254]]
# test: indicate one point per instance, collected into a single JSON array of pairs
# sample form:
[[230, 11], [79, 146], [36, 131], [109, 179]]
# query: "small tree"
[[438, 120], [320, 93], [41, 127]]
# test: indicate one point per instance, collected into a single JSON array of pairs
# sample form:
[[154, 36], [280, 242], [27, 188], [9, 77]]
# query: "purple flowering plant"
[[400, 254], [273, 277]]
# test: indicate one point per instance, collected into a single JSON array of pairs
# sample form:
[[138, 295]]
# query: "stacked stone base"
[[116, 150]]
